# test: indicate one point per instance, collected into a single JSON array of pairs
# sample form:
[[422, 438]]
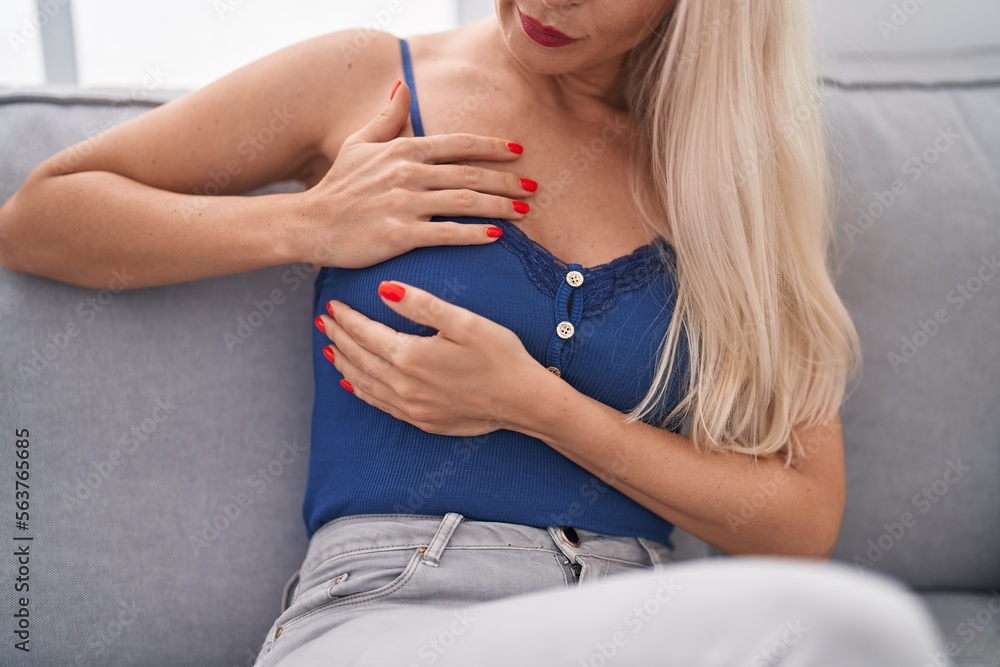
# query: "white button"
[[574, 278], [564, 329]]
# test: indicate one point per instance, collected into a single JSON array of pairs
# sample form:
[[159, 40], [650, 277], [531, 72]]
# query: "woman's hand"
[[465, 380], [378, 197]]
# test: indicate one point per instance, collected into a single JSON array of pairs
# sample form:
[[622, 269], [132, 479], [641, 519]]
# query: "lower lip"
[[541, 37]]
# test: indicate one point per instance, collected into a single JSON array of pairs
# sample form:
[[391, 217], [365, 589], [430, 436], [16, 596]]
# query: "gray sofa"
[[167, 463]]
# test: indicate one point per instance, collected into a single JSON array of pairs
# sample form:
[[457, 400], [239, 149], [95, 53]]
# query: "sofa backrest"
[[167, 460], [916, 153]]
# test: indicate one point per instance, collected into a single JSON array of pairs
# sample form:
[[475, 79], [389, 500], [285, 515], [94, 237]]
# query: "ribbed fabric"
[[363, 460]]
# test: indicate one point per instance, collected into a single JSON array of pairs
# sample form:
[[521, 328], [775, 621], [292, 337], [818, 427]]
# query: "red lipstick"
[[545, 35]]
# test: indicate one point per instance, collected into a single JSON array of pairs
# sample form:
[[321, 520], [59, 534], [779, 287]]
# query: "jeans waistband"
[[385, 531]]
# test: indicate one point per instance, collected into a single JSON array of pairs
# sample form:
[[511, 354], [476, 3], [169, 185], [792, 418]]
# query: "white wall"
[[20, 46], [194, 41]]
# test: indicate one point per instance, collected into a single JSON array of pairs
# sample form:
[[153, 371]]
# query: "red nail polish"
[[521, 207], [515, 148], [395, 88], [347, 385], [328, 353], [391, 291], [329, 308], [319, 324], [494, 232], [529, 184]]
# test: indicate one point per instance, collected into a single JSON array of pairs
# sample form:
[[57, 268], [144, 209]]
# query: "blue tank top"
[[600, 327]]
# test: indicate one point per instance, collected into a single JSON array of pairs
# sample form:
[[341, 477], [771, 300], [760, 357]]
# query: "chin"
[[529, 53]]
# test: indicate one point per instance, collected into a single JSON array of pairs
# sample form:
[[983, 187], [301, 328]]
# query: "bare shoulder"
[[458, 74], [359, 69], [371, 62]]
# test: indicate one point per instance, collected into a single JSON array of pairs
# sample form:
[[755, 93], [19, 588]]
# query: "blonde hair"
[[732, 169]]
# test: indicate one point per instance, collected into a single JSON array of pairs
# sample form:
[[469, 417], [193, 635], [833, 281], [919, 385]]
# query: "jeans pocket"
[[602, 568], [351, 578]]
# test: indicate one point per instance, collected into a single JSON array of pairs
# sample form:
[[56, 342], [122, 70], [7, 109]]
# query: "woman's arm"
[[132, 196], [729, 500]]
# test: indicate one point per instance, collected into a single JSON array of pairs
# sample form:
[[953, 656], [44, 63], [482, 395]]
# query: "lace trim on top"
[[603, 283]]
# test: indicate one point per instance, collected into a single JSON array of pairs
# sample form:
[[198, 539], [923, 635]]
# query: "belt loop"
[[655, 554], [440, 540], [289, 591]]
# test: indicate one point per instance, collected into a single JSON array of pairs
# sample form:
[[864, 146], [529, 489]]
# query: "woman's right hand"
[[377, 199]]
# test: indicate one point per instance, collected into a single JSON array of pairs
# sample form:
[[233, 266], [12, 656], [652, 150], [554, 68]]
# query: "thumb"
[[390, 121]]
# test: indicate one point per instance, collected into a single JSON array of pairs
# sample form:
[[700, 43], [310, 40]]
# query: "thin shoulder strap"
[[418, 126]]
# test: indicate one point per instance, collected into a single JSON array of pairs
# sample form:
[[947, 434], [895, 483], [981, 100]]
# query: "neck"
[[589, 94]]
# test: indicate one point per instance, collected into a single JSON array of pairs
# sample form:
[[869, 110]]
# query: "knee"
[[860, 620]]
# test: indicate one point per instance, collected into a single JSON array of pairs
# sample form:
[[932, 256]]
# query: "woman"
[[576, 295]]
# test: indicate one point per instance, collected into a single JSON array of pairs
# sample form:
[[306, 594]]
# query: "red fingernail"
[[494, 232], [347, 385], [319, 324], [529, 184], [395, 88], [329, 308], [391, 291], [521, 207], [515, 148], [328, 353]]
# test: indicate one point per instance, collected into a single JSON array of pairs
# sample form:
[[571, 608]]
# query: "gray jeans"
[[412, 590]]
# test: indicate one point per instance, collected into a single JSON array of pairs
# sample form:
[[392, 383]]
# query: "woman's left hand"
[[465, 380]]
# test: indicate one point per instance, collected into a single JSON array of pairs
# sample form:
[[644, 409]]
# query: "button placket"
[[568, 306]]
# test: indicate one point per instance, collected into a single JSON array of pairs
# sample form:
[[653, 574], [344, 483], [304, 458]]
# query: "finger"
[[352, 343], [452, 322], [469, 177], [444, 148], [383, 405], [357, 329], [444, 232], [367, 388], [470, 203], [388, 123], [357, 382]]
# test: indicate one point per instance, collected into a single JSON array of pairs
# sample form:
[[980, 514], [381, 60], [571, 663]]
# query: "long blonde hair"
[[732, 170]]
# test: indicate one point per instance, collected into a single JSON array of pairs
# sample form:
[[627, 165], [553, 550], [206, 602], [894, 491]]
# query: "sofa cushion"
[[970, 625], [167, 462], [917, 158]]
